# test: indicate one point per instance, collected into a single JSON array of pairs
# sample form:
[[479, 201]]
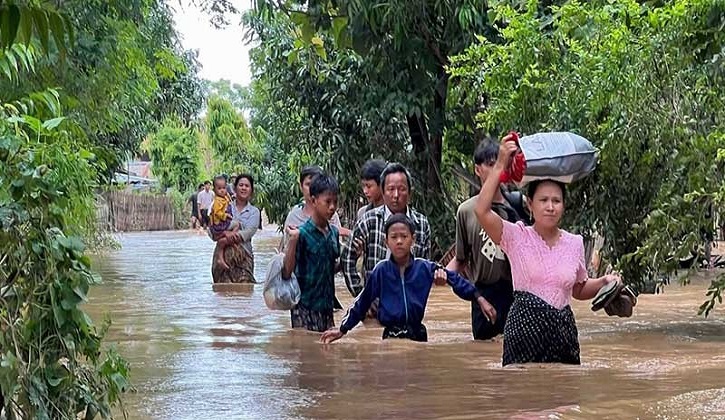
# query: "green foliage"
[[23, 22], [235, 150], [345, 106], [174, 151], [120, 68], [235, 93], [645, 84], [114, 70], [51, 364]]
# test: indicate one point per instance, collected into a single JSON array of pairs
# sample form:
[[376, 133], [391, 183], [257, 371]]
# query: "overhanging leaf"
[[52, 123]]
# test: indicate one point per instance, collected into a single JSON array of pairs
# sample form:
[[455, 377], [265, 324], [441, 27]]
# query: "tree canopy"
[[81, 86]]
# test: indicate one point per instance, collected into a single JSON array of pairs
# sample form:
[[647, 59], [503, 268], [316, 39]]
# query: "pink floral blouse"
[[549, 273]]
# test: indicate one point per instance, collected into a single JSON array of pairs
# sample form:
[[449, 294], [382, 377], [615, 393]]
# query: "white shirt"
[[205, 198]]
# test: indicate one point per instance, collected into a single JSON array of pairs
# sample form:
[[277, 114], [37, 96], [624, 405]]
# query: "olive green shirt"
[[486, 262]]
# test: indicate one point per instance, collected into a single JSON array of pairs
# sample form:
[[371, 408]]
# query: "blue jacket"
[[402, 299]]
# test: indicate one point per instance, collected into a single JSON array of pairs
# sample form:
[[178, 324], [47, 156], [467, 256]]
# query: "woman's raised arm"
[[489, 220]]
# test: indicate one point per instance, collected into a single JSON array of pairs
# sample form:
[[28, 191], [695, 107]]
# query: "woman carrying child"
[[547, 267]]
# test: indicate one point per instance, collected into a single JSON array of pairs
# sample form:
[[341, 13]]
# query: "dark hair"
[[372, 169], [395, 168], [323, 183], [220, 178], [534, 185], [309, 170], [486, 151], [200, 186], [399, 218], [207, 182], [244, 176]]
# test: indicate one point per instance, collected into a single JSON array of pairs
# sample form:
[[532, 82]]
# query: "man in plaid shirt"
[[369, 232]]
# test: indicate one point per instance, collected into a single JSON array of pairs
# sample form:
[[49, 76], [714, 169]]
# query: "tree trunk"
[[426, 136], [437, 128]]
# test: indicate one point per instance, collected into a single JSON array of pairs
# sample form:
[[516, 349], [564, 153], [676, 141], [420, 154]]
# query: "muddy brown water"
[[199, 351]]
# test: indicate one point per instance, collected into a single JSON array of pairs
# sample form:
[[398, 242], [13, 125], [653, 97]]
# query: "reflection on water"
[[217, 352]]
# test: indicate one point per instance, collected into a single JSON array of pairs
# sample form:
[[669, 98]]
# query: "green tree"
[[319, 115], [121, 73], [406, 47], [645, 84], [343, 107], [175, 155], [235, 150], [235, 93], [81, 86]]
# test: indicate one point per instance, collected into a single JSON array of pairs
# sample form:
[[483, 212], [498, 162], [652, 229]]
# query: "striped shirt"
[[370, 228]]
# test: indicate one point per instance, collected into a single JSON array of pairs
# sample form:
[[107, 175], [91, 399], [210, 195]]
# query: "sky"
[[222, 52]]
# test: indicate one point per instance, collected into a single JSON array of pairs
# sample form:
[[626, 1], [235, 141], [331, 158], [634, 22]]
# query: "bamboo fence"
[[124, 212]]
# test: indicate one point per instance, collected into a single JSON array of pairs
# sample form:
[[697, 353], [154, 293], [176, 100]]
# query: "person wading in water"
[[547, 266]]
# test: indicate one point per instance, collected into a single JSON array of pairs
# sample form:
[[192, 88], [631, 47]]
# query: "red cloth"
[[517, 166]]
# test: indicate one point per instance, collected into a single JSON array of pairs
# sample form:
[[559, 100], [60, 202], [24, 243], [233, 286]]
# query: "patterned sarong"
[[537, 332], [319, 321]]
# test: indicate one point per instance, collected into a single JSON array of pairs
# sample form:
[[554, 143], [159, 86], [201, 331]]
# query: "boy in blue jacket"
[[403, 283]]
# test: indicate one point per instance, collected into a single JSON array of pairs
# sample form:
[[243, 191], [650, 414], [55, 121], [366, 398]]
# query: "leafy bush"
[[52, 365]]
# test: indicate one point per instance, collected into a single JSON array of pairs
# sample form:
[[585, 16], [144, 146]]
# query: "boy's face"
[[305, 188], [372, 191], [484, 169], [325, 204], [399, 240], [220, 187]]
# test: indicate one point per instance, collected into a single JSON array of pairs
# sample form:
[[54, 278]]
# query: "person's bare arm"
[[290, 253], [489, 220], [588, 289], [456, 265]]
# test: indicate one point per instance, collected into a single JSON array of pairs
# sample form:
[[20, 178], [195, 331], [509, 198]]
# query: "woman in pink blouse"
[[547, 266]]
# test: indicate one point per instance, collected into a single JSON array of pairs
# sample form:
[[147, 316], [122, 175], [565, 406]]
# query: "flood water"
[[198, 351]]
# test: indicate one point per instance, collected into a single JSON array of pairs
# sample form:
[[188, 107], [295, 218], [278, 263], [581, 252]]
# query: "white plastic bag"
[[280, 294], [561, 156]]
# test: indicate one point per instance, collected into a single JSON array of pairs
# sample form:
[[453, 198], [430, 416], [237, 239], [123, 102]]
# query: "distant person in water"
[[248, 216], [221, 218], [312, 254], [402, 283], [195, 221], [204, 200]]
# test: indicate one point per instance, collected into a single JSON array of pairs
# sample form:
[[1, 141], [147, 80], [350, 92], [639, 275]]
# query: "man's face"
[[396, 192], [206, 187]]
